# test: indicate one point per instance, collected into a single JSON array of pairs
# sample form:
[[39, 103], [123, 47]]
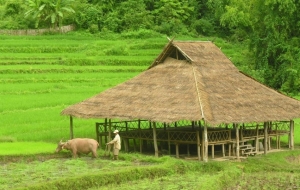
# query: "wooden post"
[[169, 143], [105, 130], [257, 140], [198, 145], [188, 149], [109, 130], [230, 144], [141, 146], [223, 150], [266, 137], [97, 135], [71, 128], [237, 141], [292, 134], [155, 140], [177, 150], [212, 151], [126, 144], [277, 143], [205, 144], [269, 136], [134, 145], [202, 145]]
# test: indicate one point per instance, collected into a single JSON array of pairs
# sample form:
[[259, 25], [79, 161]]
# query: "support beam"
[[237, 141], [266, 137], [223, 150], [105, 130], [71, 128], [155, 140], [205, 144], [177, 150], [97, 134], [141, 146], [292, 134], [198, 145], [257, 140], [134, 145], [169, 143], [109, 130]]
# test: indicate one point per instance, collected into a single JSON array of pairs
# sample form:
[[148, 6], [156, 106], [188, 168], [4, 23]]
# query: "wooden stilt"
[[105, 130], [257, 140], [141, 146], [109, 130], [205, 144], [188, 149], [223, 150], [265, 137], [292, 134], [198, 145], [237, 141], [212, 151], [177, 150], [126, 145], [202, 146], [71, 128], [155, 140], [169, 143], [134, 145], [97, 134]]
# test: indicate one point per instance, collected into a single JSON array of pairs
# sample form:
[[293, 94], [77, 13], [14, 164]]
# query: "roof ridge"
[[198, 93]]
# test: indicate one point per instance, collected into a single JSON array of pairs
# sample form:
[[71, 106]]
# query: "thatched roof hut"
[[190, 81]]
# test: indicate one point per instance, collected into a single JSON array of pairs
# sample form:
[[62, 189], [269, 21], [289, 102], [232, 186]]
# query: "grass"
[[17, 148], [42, 75], [271, 171]]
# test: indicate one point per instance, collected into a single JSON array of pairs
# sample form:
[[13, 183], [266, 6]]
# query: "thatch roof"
[[190, 81]]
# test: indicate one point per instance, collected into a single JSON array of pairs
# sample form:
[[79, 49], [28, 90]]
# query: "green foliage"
[[87, 17], [49, 11], [140, 34], [274, 40], [13, 8], [204, 27]]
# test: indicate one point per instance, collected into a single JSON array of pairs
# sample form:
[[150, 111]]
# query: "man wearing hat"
[[117, 144]]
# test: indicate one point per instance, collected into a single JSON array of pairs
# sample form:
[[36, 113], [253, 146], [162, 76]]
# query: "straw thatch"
[[190, 81]]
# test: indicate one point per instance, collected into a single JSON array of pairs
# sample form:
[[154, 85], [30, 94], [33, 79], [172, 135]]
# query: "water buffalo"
[[81, 145], [59, 146]]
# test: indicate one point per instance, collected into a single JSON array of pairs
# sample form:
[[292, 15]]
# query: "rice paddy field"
[[42, 75]]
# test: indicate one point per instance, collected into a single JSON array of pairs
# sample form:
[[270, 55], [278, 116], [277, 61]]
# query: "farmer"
[[117, 144]]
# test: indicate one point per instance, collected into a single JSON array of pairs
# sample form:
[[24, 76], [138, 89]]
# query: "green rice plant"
[[17, 148]]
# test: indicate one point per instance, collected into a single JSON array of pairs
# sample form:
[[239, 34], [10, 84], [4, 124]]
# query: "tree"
[[56, 11], [171, 16], [275, 40], [36, 10], [49, 10]]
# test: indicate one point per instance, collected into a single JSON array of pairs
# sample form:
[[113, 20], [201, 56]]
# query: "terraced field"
[[42, 75]]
